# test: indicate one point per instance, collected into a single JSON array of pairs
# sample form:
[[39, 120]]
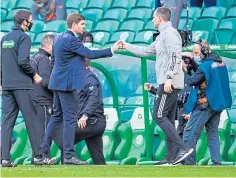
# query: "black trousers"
[[182, 122], [92, 134], [12, 102], [44, 114], [165, 106]]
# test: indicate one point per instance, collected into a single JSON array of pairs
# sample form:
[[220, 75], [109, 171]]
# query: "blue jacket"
[[68, 71], [90, 101], [214, 71]]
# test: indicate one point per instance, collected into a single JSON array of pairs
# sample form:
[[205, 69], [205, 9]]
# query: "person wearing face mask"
[[168, 48], [209, 96], [41, 63], [87, 39], [17, 87], [68, 75], [49, 10]]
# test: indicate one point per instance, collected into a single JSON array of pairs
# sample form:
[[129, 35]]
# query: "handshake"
[[119, 45]]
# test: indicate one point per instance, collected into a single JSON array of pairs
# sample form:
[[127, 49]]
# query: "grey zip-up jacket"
[[168, 49]]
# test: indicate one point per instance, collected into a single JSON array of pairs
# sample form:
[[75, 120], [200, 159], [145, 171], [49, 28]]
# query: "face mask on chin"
[[40, 4], [88, 45]]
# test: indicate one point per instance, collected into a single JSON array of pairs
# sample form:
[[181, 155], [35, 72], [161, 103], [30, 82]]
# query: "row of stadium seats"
[[130, 146], [78, 4], [108, 31]]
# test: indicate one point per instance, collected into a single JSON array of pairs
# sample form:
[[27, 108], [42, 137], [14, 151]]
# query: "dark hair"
[[74, 18], [20, 16], [164, 12], [86, 35]]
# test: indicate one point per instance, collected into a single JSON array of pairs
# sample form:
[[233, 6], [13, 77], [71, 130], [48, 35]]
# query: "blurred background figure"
[[49, 10]]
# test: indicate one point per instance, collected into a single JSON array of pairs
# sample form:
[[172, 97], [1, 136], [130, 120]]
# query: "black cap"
[[22, 14]]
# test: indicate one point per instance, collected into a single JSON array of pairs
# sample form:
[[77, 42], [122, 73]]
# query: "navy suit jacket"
[[69, 71]]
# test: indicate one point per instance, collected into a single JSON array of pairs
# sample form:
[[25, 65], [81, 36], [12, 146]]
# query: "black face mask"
[[29, 25]]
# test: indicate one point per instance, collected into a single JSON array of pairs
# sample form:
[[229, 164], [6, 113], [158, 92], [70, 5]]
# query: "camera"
[[191, 64], [186, 37]]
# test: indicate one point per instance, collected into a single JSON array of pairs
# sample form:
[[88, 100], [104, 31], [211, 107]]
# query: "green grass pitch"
[[119, 171]]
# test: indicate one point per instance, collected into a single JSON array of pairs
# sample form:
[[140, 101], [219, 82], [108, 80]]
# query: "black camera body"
[[191, 64], [186, 36]]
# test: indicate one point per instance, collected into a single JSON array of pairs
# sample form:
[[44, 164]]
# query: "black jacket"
[[17, 72], [42, 65], [90, 98]]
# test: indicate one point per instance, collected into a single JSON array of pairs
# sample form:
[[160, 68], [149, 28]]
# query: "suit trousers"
[[13, 101]]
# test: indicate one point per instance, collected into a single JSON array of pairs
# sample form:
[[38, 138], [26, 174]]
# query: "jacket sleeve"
[[142, 50], [77, 47], [23, 56], [197, 78], [153, 90], [173, 45], [60, 10], [44, 71], [93, 90]]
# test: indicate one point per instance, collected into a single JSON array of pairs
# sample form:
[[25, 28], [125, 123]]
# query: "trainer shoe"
[[8, 163], [182, 155]]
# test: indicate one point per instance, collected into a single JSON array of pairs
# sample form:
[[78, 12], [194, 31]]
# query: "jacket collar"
[[163, 26], [72, 33], [18, 28], [44, 52]]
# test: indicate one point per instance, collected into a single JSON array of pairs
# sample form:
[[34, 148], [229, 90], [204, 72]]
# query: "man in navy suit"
[[68, 76]]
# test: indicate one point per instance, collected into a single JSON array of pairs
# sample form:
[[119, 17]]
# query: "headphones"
[[204, 49]]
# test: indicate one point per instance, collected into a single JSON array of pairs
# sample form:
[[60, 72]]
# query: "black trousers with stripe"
[[165, 106]]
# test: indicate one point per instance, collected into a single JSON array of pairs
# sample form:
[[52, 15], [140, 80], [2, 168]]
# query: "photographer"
[[210, 95]]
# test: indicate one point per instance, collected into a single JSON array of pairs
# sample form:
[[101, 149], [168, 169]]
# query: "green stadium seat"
[[200, 34], [146, 3], [132, 24], [132, 147], [115, 13], [26, 4], [232, 150], [71, 10], [149, 26], [128, 36], [88, 25], [233, 41], [229, 23], [194, 13], [12, 12], [38, 26], [55, 26], [93, 14], [222, 36], [101, 37], [225, 4], [182, 23], [231, 12], [7, 25], [3, 14], [144, 36], [102, 4], [124, 3], [77, 4], [214, 12], [140, 13], [8, 4], [39, 37], [32, 35], [107, 25], [207, 24]]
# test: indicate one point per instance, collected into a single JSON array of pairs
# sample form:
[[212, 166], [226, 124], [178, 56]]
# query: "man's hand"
[[168, 86], [117, 45], [186, 116], [147, 86], [124, 44], [37, 79], [82, 122], [0, 88]]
